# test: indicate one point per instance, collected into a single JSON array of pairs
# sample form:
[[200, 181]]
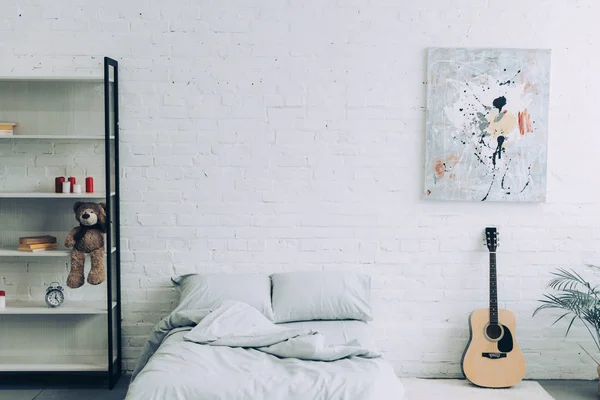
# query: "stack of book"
[[37, 243], [7, 128]]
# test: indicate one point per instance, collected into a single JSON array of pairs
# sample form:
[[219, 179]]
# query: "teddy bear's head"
[[90, 214]]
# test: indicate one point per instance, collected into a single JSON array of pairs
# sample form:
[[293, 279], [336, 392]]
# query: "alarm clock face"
[[54, 298]]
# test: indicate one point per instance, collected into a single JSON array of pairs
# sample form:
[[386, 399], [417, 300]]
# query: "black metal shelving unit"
[[113, 234], [16, 206]]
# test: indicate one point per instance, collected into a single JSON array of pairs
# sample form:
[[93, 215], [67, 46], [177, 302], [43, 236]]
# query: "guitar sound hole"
[[493, 331]]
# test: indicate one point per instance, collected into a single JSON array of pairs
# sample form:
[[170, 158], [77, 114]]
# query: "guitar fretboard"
[[493, 290]]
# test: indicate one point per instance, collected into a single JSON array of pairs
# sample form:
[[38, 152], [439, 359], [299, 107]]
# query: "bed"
[[298, 335]]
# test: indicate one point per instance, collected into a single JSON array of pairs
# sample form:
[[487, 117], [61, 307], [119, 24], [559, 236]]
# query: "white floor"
[[559, 390], [449, 389]]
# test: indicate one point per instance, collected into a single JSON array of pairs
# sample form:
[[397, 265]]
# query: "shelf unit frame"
[[111, 128], [111, 369]]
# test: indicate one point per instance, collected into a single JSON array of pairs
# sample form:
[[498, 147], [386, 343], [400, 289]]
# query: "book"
[[37, 239], [37, 247], [7, 128]]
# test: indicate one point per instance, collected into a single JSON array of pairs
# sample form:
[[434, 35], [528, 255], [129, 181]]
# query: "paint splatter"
[[499, 150], [499, 103], [440, 169], [501, 123], [443, 166], [525, 122]]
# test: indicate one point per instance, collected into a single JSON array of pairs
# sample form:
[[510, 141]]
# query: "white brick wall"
[[280, 135]]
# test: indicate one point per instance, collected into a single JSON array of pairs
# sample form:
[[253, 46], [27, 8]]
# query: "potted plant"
[[579, 300]]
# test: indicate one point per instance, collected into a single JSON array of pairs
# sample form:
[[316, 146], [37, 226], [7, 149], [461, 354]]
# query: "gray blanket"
[[228, 354], [236, 324]]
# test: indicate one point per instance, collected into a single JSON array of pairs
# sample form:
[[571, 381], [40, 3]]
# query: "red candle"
[[73, 182], [58, 181], [89, 184]]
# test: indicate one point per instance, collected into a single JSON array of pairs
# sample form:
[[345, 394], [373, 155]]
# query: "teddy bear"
[[88, 237]]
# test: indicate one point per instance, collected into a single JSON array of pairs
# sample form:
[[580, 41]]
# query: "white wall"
[[280, 135]]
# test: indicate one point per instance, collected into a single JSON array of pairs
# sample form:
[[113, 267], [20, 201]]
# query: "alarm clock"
[[54, 295]]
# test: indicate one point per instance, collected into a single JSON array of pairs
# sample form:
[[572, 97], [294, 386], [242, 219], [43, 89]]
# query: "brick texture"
[[284, 135]]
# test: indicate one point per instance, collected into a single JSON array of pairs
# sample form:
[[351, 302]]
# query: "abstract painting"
[[487, 124]]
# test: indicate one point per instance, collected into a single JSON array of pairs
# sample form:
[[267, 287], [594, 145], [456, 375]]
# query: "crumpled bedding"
[[234, 352]]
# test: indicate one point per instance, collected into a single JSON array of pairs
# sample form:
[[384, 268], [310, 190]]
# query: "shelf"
[[57, 78], [52, 195], [54, 137], [40, 362], [48, 253], [31, 307], [58, 107]]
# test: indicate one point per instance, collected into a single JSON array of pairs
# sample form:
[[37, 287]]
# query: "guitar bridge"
[[493, 356]]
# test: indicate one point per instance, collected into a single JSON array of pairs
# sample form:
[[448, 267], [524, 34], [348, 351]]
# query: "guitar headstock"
[[492, 238]]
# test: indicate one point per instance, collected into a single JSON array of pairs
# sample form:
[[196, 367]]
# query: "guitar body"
[[493, 363]]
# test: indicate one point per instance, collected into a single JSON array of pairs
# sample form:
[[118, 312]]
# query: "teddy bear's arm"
[[70, 240]]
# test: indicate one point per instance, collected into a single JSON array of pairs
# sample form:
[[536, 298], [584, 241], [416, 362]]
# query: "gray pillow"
[[318, 295], [208, 291]]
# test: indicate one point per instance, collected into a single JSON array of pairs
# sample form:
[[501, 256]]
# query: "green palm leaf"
[[570, 325], [567, 280], [577, 298], [561, 317]]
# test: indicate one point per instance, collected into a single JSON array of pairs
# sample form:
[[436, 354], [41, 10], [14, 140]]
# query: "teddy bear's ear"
[[77, 205], [102, 215]]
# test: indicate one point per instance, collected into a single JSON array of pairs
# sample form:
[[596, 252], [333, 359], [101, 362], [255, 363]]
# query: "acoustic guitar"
[[492, 358]]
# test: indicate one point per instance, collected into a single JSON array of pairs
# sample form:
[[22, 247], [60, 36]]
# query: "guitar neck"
[[493, 290]]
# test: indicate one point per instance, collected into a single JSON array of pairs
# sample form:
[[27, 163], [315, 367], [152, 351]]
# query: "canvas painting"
[[487, 124]]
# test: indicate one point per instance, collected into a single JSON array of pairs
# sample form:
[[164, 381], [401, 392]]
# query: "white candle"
[[66, 187], [77, 188]]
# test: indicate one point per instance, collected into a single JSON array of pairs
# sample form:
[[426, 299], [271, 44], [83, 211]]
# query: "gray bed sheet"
[[234, 352]]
